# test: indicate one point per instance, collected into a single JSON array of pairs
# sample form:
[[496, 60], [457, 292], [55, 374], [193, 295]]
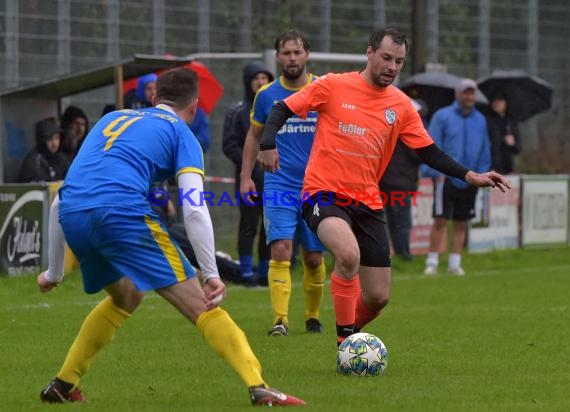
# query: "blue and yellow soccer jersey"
[[294, 140], [123, 154]]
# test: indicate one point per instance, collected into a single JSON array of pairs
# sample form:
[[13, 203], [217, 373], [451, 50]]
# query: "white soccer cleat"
[[430, 270], [458, 271]]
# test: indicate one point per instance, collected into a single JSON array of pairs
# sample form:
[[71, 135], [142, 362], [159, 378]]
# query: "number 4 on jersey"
[[113, 133]]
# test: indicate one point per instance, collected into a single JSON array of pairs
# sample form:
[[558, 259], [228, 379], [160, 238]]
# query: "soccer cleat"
[[262, 395], [313, 325], [59, 391], [458, 271], [279, 329], [430, 270], [343, 332]]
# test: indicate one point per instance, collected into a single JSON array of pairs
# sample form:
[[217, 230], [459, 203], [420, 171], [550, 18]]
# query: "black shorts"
[[450, 202], [368, 225]]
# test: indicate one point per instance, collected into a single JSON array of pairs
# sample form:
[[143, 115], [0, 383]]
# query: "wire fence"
[[45, 38]]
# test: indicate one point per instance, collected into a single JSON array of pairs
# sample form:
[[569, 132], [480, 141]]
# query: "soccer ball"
[[362, 354]]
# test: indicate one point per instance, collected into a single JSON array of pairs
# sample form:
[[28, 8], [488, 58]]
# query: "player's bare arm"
[[250, 149]]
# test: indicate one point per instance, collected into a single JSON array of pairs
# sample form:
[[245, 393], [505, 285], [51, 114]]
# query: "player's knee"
[[129, 302], [281, 250], [313, 260], [439, 223], [348, 261], [379, 300]]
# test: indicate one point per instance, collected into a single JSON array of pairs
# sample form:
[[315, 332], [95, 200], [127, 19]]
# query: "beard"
[[293, 73]]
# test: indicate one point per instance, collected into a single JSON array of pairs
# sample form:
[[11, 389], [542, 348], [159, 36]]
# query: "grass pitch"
[[495, 340]]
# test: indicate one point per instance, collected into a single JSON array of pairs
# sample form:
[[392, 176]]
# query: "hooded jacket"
[[135, 98], [41, 165], [236, 124], [67, 146]]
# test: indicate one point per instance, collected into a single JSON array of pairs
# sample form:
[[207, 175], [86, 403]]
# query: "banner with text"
[[496, 222], [22, 218], [544, 210]]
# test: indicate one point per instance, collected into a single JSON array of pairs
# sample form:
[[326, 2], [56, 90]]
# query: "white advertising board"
[[544, 210]]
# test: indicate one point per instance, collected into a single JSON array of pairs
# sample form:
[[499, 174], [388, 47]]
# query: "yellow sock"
[[97, 330], [229, 341], [279, 277], [314, 285]]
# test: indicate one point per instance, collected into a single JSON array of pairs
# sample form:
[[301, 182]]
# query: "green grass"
[[496, 340]]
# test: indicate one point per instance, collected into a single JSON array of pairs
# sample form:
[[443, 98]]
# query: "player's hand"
[[44, 284], [215, 291], [269, 160], [247, 189], [489, 179]]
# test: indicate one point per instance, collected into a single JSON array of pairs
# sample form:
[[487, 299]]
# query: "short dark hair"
[[177, 87], [291, 34], [397, 35]]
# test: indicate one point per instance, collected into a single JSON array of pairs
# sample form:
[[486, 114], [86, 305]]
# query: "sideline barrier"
[[496, 222], [534, 213], [422, 219], [23, 246], [544, 210]]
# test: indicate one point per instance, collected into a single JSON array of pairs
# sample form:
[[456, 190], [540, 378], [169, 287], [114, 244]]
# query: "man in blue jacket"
[[460, 130]]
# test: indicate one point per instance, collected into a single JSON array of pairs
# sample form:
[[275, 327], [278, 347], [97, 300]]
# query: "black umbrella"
[[526, 95], [437, 89]]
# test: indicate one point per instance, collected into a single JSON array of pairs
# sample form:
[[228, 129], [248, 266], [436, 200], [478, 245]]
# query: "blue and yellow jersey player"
[[282, 189], [124, 249]]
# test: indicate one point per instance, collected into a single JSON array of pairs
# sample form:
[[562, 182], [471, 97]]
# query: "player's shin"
[[229, 341], [314, 285], [364, 315], [345, 293], [280, 289], [97, 330]]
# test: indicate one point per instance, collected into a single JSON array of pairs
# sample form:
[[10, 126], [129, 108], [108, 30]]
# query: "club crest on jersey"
[[390, 116]]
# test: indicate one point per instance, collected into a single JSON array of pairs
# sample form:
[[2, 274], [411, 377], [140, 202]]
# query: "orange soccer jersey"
[[357, 129]]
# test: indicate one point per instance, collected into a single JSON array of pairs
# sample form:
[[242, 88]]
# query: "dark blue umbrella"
[[526, 95], [437, 89]]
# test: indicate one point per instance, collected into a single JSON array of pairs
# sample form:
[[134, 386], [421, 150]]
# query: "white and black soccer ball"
[[362, 354]]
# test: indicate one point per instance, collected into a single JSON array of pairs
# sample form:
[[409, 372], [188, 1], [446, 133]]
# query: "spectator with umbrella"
[[515, 97], [525, 95], [503, 134], [437, 89]]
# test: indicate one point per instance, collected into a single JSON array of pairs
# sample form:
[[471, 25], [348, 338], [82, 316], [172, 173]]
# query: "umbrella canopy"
[[210, 89], [437, 89], [526, 95]]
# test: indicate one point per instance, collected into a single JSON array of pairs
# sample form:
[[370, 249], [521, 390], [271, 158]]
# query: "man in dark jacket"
[[400, 178], [236, 125], [45, 163], [503, 134]]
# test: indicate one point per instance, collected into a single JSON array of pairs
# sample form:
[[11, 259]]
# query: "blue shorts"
[[112, 243], [283, 220]]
